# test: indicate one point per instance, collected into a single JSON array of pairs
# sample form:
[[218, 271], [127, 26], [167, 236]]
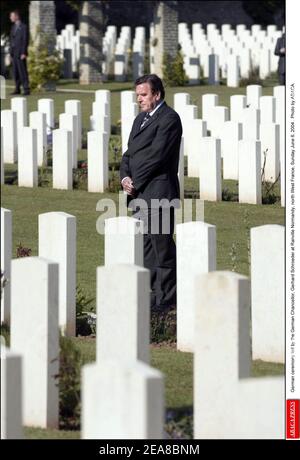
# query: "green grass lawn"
[[233, 222]]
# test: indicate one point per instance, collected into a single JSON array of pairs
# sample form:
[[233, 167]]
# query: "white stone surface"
[[62, 159], [233, 75], [250, 172], [237, 105], [6, 255], [11, 394], [267, 292], [195, 131], [97, 151], [47, 106], [69, 122], [122, 401], [73, 106], [196, 254], [208, 100], [57, 242], [37, 120], [34, 334], [180, 100], [254, 93], [19, 105], [223, 390], [9, 125], [27, 158], [230, 137], [210, 169], [123, 241], [251, 120], [270, 142], [123, 313], [217, 116], [267, 109]]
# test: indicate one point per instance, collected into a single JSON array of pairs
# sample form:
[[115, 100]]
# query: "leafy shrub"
[[173, 70], [163, 326], [43, 66]]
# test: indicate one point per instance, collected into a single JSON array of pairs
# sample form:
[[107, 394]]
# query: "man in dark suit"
[[18, 53], [280, 51], [148, 174]]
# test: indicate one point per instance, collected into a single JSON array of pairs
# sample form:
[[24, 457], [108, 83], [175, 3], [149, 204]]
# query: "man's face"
[[146, 99], [13, 17]]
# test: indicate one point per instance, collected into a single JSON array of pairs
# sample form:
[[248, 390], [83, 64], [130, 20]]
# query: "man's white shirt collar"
[[156, 108]]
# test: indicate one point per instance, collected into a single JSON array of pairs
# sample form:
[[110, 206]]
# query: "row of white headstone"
[[250, 138], [122, 396], [252, 129], [228, 53]]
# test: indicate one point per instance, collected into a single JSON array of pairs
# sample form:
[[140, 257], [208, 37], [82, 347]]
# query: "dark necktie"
[[146, 118]]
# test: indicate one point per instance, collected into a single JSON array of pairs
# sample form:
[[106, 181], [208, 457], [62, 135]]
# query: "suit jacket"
[[280, 44], [18, 40], [152, 157]]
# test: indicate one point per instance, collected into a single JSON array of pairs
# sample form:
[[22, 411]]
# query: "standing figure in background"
[[18, 52], [280, 51]]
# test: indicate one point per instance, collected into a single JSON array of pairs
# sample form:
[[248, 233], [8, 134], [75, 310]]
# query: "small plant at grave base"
[[114, 185], [44, 179], [247, 227], [80, 178], [84, 319], [179, 424], [253, 78], [70, 362], [228, 195], [267, 188], [163, 326], [22, 251], [5, 334], [233, 254]]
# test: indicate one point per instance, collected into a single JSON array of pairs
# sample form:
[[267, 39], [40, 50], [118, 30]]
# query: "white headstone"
[[62, 159], [47, 106], [210, 169], [124, 241], [230, 137], [9, 125], [125, 310], [73, 107], [250, 119], [34, 334], [238, 103], [6, 255], [233, 74], [254, 93], [27, 158], [250, 172], [57, 242], [69, 122], [270, 141], [223, 390], [11, 395], [97, 151], [19, 105], [196, 254], [195, 131], [267, 292], [37, 120], [122, 401]]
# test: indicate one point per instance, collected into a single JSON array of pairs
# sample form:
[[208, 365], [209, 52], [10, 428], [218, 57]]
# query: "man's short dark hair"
[[155, 83]]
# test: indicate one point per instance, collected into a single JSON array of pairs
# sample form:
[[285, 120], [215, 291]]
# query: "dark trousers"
[[281, 78], [20, 73], [160, 254]]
